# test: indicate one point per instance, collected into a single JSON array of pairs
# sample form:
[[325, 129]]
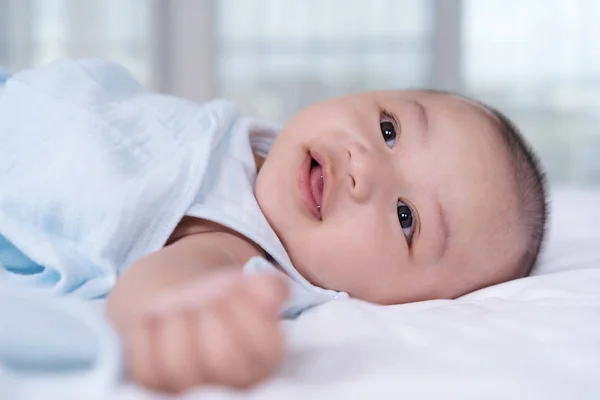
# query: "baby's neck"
[[259, 160]]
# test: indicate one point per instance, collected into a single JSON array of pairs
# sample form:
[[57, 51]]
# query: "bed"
[[535, 338]]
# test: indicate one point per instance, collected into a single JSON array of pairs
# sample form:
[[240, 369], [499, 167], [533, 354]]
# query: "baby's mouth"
[[316, 184]]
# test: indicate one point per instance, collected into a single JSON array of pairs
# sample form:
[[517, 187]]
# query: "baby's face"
[[394, 197]]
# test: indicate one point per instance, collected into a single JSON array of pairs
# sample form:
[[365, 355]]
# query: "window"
[[539, 61], [35, 32], [274, 57], [536, 60]]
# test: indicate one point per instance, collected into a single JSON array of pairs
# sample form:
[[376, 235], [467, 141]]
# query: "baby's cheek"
[[345, 262]]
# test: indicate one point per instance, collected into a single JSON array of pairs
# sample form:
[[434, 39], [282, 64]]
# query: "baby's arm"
[[196, 247], [188, 316]]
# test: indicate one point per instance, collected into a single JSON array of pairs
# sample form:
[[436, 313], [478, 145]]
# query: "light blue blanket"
[[94, 172], [4, 75], [55, 348]]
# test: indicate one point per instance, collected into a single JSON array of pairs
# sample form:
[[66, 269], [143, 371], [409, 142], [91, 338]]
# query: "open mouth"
[[316, 183], [311, 185]]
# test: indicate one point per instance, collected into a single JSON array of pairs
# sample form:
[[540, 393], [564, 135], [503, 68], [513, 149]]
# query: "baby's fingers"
[[139, 353], [178, 362], [160, 353], [218, 345], [266, 291], [259, 334]]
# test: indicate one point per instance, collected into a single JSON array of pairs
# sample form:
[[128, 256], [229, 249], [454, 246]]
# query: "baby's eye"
[[405, 216], [388, 128]]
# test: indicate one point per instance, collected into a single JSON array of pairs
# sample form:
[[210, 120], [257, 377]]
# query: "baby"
[[390, 197]]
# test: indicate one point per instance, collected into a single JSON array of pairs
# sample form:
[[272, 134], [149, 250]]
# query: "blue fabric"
[[54, 347], [95, 172], [4, 75]]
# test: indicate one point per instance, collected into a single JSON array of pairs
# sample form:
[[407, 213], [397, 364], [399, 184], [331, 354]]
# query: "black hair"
[[530, 185], [529, 182]]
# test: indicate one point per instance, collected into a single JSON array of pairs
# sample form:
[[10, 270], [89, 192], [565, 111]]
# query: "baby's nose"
[[362, 171]]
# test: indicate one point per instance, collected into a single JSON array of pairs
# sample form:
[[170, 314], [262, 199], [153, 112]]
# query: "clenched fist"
[[222, 330]]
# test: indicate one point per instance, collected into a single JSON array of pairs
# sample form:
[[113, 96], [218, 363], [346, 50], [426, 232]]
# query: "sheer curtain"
[[274, 57], [270, 56], [34, 32], [537, 60]]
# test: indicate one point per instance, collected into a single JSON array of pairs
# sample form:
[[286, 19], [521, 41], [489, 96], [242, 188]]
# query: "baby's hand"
[[221, 330]]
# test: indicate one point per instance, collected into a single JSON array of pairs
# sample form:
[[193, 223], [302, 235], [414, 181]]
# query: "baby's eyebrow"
[[444, 229], [423, 118]]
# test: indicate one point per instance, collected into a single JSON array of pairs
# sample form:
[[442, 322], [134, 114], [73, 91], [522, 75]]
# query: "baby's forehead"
[[437, 102], [473, 167], [447, 100], [453, 122]]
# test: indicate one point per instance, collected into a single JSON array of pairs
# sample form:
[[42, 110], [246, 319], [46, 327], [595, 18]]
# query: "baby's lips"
[[317, 184]]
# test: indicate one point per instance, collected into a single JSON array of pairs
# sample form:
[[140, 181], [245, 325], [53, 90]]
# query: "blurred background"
[[536, 60]]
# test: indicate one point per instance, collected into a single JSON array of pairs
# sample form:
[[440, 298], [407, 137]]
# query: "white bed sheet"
[[535, 338]]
